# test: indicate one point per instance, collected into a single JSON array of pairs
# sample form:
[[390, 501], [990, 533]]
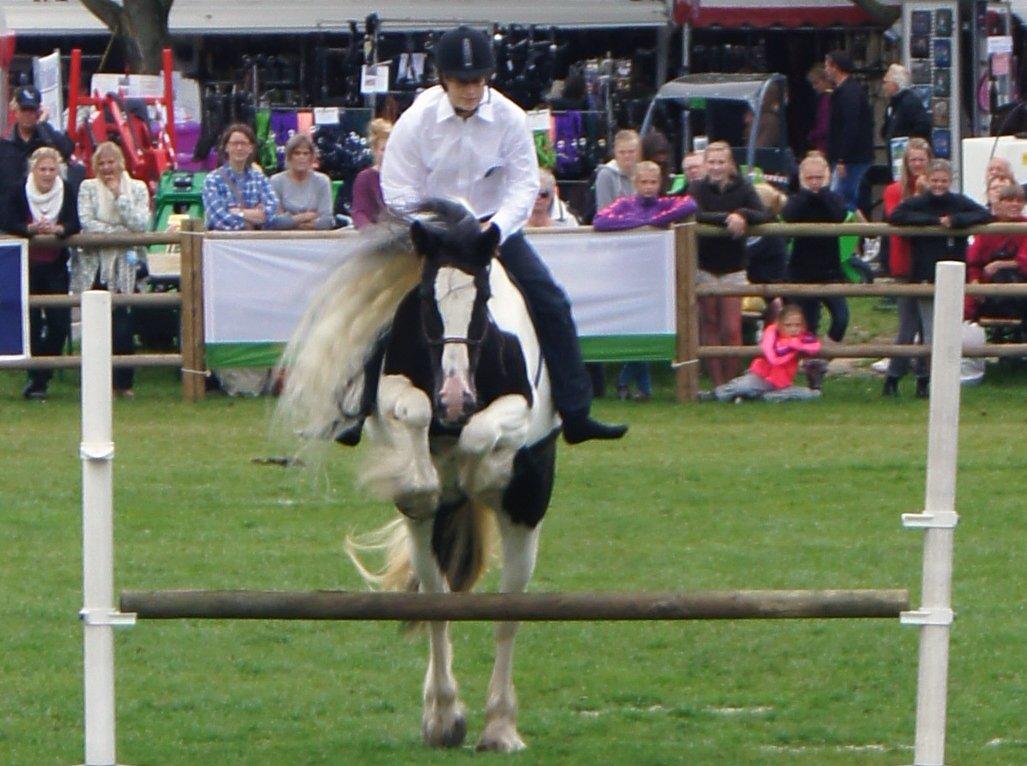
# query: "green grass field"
[[698, 496]]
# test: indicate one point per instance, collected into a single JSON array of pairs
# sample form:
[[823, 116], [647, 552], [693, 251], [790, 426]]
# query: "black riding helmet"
[[464, 52]]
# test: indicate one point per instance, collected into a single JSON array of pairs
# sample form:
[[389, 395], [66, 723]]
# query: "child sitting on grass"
[[770, 376]]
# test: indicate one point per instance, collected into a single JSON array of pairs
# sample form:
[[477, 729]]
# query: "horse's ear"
[[424, 238], [487, 243]]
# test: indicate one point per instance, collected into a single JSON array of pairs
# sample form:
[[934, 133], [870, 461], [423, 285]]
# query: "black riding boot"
[[891, 386], [923, 387], [372, 372]]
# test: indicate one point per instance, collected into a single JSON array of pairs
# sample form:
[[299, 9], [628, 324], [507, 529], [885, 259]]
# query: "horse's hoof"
[[506, 741], [435, 734], [417, 503]]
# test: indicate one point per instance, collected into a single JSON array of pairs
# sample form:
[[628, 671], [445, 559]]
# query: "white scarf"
[[46, 204], [106, 204]]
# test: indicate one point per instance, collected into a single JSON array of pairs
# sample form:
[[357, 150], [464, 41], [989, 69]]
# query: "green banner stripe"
[[599, 348]]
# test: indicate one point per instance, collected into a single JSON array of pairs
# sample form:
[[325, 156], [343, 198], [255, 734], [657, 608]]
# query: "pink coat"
[[780, 360]]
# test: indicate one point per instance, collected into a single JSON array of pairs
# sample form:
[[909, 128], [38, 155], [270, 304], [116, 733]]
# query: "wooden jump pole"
[[537, 607]]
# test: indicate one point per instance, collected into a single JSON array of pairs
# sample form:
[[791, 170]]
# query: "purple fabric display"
[[283, 125]]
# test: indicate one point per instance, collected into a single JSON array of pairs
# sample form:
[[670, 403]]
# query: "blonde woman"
[[728, 200], [44, 206], [368, 203], [109, 203]]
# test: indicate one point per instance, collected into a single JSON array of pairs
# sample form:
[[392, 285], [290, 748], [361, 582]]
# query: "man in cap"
[[462, 139], [30, 132]]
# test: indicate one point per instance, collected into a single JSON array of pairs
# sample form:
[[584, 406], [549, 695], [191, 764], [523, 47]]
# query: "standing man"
[[29, 133], [850, 138], [905, 116], [462, 139]]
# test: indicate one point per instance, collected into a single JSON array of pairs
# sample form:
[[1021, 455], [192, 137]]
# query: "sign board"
[[14, 299], [621, 287], [374, 78]]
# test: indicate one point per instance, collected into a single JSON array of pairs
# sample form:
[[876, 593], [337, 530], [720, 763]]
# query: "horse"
[[463, 429]]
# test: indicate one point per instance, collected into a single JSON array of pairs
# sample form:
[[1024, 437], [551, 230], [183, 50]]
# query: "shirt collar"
[[485, 109]]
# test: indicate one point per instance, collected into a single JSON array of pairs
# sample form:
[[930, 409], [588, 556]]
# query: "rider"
[[464, 140]]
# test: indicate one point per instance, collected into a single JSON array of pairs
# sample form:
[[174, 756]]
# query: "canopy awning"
[[30, 17], [733, 14]]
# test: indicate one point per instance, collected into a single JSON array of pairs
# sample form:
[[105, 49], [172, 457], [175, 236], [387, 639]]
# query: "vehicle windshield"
[[722, 119]]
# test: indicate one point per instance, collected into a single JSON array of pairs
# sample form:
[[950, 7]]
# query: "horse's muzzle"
[[455, 401]]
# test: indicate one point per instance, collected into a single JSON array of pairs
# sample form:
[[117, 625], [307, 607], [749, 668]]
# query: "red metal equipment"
[[147, 156]]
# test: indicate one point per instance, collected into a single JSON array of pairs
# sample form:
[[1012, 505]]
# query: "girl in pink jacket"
[[770, 376]]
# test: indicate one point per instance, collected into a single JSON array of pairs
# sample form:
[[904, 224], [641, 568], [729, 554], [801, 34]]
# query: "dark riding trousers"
[[551, 311]]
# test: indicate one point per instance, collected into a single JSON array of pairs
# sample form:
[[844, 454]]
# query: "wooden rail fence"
[[191, 359]]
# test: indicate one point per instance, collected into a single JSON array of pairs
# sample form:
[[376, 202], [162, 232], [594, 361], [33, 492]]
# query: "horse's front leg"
[[520, 546], [443, 723], [488, 443], [403, 463]]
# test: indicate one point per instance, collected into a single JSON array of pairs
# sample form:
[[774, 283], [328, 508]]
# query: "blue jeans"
[[837, 307], [752, 386], [848, 187], [637, 372]]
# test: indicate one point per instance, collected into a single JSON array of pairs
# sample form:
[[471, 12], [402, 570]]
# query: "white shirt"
[[487, 161]]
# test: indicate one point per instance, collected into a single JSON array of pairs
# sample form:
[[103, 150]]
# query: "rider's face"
[[465, 94]]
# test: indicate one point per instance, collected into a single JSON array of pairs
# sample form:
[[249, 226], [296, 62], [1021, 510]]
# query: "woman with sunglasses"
[[549, 209]]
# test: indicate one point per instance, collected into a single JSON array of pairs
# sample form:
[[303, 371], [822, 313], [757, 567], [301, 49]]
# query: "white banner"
[[619, 285], [46, 76]]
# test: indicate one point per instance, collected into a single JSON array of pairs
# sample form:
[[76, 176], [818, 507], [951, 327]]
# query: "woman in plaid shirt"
[[238, 195]]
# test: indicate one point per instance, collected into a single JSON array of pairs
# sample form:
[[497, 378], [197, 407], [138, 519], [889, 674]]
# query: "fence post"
[[939, 518], [686, 249], [194, 365]]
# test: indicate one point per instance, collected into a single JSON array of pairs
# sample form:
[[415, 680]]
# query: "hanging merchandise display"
[[931, 53]]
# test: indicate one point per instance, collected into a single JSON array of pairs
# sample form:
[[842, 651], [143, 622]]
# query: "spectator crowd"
[[637, 187]]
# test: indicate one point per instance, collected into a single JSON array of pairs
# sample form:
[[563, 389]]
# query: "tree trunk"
[[140, 25]]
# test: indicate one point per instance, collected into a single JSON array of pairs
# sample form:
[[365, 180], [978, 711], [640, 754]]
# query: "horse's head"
[[454, 295]]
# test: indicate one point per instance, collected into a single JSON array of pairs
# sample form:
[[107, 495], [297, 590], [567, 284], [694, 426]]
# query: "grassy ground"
[[702, 496]]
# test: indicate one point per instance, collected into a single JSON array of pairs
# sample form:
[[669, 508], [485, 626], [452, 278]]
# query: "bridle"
[[446, 340]]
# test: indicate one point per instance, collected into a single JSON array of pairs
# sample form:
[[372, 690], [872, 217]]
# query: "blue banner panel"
[[13, 300]]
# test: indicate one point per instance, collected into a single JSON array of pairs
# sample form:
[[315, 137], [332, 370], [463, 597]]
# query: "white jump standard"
[[935, 615]]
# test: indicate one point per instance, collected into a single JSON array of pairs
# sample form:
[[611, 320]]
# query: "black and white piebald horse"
[[463, 430]]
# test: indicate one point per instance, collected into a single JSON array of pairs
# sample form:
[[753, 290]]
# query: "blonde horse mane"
[[324, 360]]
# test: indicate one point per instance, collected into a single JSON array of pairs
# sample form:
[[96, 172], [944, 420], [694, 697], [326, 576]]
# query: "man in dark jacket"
[[850, 138], [905, 115], [28, 133]]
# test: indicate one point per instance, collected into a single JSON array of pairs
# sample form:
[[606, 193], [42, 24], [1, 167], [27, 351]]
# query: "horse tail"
[[463, 538]]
